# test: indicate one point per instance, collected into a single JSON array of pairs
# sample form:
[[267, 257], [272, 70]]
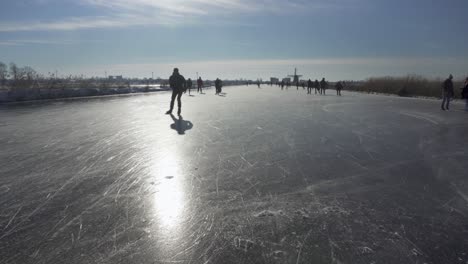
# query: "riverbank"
[[33, 94]]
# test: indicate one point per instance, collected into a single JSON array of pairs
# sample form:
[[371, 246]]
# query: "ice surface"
[[256, 176]]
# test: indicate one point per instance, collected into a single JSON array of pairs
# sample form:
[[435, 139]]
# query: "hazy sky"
[[337, 39]]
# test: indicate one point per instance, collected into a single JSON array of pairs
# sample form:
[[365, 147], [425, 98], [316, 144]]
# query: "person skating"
[[323, 85], [177, 84], [309, 86], [465, 93], [447, 93], [339, 87], [317, 86], [200, 85], [189, 85], [218, 85]]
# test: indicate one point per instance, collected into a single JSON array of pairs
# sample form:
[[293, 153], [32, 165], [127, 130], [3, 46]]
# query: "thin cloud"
[[77, 23]]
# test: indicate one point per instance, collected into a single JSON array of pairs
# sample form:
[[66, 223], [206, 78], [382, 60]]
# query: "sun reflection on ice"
[[169, 198]]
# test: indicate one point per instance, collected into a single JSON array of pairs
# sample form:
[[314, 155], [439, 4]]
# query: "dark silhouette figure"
[[447, 93], [218, 85], [189, 85], [465, 94], [309, 86], [177, 84], [323, 85], [200, 85], [282, 85], [339, 87], [181, 125], [317, 86], [258, 84]]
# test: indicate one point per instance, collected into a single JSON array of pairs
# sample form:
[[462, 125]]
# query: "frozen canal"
[[254, 176]]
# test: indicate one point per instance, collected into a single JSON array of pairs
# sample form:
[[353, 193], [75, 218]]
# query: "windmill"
[[295, 76]]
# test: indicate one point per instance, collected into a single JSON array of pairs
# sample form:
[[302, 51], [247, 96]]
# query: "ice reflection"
[[169, 198]]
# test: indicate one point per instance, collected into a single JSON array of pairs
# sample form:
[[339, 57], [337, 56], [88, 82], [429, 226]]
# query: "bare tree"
[[14, 71], [3, 73]]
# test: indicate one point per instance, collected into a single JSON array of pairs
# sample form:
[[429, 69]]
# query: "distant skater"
[[189, 85], [258, 84], [218, 85], [339, 87], [465, 93], [310, 84], [200, 85], [177, 84], [303, 85], [447, 93], [323, 86], [317, 86]]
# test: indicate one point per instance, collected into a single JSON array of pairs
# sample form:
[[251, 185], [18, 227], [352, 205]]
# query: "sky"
[[232, 39]]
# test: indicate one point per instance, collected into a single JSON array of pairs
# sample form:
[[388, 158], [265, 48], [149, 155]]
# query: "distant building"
[[118, 78], [274, 80], [287, 80]]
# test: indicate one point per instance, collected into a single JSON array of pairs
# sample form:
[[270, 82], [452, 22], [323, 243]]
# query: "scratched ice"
[[254, 176]]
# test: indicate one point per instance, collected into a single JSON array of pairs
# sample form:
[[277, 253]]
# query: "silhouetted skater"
[[317, 86], [339, 87], [258, 84], [303, 85], [177, 84], [447, 93], [465, 94], [310, 84], [323, 86], [218, 85], [189, 85], [200, 85]]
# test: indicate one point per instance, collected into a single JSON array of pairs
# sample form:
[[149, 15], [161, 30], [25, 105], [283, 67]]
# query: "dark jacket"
[[323, 84], [177, 82], [218, 83], [465, 91], [448, 86], [339, 86]]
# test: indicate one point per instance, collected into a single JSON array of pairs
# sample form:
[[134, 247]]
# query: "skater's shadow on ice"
[[222, 94], [181, 125]]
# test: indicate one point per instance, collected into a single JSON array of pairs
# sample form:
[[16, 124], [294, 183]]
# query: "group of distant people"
[[448, 93], [179, 86], [319, 87]]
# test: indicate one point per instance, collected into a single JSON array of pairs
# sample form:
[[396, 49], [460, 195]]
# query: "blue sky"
[[336, 39]]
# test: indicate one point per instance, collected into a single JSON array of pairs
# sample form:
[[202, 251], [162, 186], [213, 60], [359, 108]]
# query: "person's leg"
[[448, 101], [466, 104], [174, 94], [179, 102]]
